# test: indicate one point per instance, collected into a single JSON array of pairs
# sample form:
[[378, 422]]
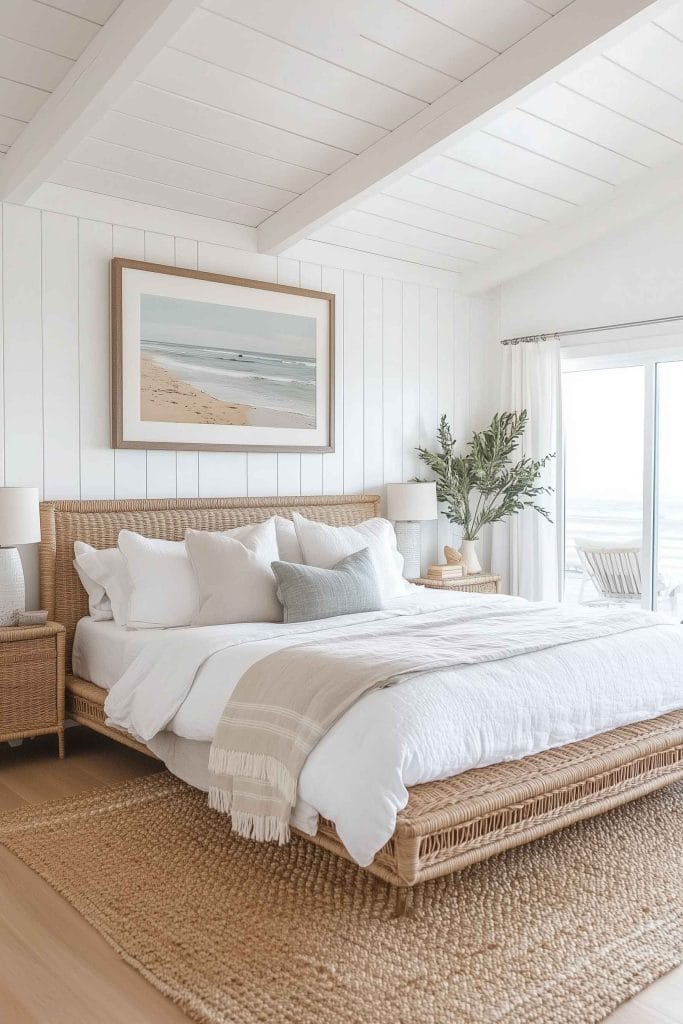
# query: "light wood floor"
[[56, 969]]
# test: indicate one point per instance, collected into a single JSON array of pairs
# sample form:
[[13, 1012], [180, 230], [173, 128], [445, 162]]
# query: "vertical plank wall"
[[405, 353]]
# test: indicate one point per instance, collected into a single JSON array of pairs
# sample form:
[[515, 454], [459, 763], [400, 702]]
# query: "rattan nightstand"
[[32, 682], [479, 583]]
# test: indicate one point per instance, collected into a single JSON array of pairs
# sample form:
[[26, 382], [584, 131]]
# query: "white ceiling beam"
[[642, 196], [112, 61], [579, 31]]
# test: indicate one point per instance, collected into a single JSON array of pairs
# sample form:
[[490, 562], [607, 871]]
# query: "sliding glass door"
[[603, 411], [668, 540], [623, 481]]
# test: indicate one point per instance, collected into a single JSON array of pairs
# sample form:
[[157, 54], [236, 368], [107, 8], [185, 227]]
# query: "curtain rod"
[[588, 330]]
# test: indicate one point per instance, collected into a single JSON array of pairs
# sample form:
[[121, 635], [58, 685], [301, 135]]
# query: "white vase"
[[470, 561]]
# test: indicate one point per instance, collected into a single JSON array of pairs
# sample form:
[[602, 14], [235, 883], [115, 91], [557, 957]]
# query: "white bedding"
[[424, 728], [103, 651]]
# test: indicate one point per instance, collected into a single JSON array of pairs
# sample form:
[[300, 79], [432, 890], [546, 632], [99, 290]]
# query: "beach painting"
[[221, 363], [208, 363]]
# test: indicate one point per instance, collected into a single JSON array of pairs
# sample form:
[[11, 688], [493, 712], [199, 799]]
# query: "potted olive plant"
[[484, 485]]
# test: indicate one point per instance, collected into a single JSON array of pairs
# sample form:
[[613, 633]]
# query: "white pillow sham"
[[288, 545], [323, 545], [234, 576], [163, 586], [164, 591], [105, 579]]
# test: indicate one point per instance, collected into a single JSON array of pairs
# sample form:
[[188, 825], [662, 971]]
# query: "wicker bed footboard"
[[456, 822], [450, 824]]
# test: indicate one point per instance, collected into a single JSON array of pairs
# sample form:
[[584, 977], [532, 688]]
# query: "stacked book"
[[445, 573]]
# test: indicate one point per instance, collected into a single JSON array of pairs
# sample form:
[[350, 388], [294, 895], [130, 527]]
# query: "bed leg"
[[404, 902]]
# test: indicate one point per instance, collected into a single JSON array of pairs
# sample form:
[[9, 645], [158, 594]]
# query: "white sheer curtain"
[[525, 548]]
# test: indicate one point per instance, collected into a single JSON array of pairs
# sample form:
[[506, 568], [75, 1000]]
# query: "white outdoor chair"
[[614, 570]]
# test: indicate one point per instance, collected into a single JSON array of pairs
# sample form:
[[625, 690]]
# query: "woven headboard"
[[98, 523]]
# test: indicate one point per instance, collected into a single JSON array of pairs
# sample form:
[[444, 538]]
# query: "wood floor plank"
[[34, 773], [35, 780], [665, 996], [8, 799], [633, 1013], [53, 965], [56, 968]]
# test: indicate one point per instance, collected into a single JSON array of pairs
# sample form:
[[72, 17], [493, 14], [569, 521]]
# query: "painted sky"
[[186, 322]]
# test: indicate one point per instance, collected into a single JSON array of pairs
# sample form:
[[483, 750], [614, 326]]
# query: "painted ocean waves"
[[226, 365], [259, 389]]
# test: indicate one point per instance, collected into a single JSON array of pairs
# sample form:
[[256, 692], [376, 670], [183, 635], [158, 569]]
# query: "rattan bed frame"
[[447, 825]]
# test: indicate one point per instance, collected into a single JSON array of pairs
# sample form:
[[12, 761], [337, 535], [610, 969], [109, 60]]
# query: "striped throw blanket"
[[285, 703]]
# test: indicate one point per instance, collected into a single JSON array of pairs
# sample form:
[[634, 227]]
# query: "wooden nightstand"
[[479, 583], [32, 682]]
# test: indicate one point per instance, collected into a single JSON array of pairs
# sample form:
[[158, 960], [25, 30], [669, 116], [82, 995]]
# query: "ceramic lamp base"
[[12, 592], [408, 541]]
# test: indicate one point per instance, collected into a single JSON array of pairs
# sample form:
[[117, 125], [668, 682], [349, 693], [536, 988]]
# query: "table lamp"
[[19, 524], [408, 505]]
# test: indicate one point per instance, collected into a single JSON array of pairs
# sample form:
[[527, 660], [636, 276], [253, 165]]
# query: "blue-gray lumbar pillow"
[[307, 592]]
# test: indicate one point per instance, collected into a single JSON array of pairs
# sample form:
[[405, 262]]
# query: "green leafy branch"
[[484, 485]]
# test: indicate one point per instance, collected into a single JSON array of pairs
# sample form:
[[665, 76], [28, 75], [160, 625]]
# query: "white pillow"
[[324, 546], [103, 575], [288, 545], [99, 604], [234, 577], [163, 586]]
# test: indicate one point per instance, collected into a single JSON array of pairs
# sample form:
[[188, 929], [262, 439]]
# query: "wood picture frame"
[[189, 315]]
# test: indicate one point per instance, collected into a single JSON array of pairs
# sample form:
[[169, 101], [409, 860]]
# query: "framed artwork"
[[204, 361]]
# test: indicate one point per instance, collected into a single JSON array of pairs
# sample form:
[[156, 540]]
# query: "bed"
[[447, 824]]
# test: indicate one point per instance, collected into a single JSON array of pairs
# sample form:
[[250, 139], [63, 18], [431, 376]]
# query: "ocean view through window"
[[669, 510], [623, 484]]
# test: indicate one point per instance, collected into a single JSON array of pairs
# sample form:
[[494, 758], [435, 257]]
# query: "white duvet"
[[424, 728]]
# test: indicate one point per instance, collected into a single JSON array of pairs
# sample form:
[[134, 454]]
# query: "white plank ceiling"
[[39, 42], [572, 143], [256, 101]]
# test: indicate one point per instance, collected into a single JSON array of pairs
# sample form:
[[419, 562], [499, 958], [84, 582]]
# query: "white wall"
[[405, 352], [635, 273]]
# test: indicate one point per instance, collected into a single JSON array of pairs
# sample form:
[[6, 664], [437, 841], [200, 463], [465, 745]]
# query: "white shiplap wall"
[[405, 353]]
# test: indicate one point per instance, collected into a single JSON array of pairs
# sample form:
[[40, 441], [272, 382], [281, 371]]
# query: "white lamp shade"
[[19, 516], [411, 502]]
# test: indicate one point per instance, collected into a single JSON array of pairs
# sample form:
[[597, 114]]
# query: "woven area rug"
[[558, 932]]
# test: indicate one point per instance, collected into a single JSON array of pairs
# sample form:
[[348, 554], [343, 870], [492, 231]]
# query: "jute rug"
[[558, 932]]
